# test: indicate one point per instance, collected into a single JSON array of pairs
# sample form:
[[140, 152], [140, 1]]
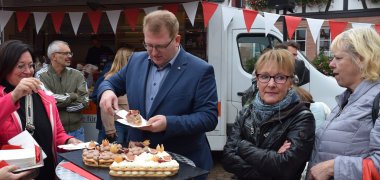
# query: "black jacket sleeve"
[[232, 161]]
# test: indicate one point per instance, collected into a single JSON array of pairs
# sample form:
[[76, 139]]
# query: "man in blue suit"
[[174, 90]]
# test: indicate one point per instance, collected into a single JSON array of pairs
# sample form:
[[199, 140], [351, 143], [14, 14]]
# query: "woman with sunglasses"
[[273, 136]]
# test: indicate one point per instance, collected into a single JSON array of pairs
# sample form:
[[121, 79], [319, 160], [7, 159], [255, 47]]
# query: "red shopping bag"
[[369, 170]]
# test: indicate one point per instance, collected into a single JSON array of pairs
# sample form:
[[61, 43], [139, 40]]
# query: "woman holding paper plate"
[[26, 106]]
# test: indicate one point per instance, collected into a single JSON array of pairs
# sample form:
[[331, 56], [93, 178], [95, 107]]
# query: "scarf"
[[264, 111]]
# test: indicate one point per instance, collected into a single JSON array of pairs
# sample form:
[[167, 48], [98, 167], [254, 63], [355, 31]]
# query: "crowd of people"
[[279, 131]]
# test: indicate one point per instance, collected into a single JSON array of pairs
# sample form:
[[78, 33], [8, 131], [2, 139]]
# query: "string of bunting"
[[209, 8]]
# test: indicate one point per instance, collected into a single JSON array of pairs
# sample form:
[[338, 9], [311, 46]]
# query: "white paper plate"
[[123, 114], [75, 146], [125, 122]]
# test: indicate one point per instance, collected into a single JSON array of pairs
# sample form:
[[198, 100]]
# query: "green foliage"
[[250, 64], [321, 63]]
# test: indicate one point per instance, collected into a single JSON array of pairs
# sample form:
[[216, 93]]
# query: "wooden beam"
[[340, 14], [364, 4]]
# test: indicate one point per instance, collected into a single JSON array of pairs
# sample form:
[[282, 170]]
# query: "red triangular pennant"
[[131, 15], [292, 23], [208, 10], [171, 7], [57, 18], [22, 17], [377, 27], [336, 28], [249, 17], [94, 17]]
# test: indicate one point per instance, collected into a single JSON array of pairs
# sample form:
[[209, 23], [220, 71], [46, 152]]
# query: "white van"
[[229, 51]]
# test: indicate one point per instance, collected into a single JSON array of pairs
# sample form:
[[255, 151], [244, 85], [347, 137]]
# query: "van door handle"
[[240, 93]]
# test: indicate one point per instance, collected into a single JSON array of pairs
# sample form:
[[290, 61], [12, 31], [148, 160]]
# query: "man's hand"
[[284, 147], [108, 102], [74, 141], [322, 171], [157, 124], [7, 174]]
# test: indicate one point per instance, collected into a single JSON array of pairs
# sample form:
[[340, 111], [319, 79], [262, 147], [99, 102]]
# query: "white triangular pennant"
[[75, 18], [113, 17], [150, 9], [270, 19], [39, 18], [191, 10], [359, 25], [227, 13], [4, 18], [315, 27]]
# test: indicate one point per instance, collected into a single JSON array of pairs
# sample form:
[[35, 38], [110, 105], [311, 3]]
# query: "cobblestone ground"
[[218, 173]]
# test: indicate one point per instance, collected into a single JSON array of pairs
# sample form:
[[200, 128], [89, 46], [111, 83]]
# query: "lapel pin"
[[179, 68]]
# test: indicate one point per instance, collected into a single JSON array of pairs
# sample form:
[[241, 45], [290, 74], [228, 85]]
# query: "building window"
[[299, 36], [251, 46], [324, 41]]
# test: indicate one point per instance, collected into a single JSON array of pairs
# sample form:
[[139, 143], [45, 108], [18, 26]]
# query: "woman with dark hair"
[[27, 107]]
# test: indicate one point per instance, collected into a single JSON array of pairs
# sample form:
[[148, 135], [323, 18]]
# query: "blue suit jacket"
[[187, 98]]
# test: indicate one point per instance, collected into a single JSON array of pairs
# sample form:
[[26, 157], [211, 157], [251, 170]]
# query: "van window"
[[251, 46]]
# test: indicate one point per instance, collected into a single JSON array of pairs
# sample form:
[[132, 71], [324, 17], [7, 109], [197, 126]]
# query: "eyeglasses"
[[279, 78], [24, 67], [160, 47], [69, 54]]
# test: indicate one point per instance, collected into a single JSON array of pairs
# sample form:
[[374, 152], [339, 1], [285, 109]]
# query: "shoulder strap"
[[375, 108]]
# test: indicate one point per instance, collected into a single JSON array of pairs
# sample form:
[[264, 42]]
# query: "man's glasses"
[[69, 54], [160, 47], [279, 78], [23, 67]]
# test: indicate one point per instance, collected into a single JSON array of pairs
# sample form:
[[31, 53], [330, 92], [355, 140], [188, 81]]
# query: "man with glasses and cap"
[[174, 90], [68, 86]]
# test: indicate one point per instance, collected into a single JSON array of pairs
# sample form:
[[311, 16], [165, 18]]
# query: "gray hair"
[[54, 47]]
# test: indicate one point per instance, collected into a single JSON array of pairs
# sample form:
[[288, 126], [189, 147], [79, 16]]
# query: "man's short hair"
[[286, 44], [157, 20], [292, 44]]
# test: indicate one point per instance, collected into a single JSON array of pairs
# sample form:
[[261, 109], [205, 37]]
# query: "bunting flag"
[[270, 19], [57, 18], [150, 9], [4, 18], [292, 23], [228, 13], [131, 16], [113, 17], [191, 10], [75, 18], [94, 17], [208, 10], [39, 18], [171, 7], [315, 26], [22, 17], [359, 25], [336, 28], [377, 27], [249, 17]]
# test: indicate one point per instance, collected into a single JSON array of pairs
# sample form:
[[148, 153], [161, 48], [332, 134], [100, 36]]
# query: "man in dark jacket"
[[301, 71]]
